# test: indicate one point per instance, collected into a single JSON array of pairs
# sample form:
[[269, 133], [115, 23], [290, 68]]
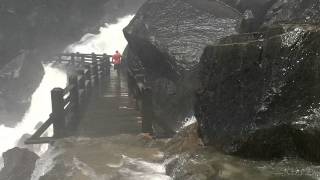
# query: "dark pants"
[[117, 67]]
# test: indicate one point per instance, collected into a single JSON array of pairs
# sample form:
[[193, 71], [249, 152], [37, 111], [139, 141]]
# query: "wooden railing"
[[68, 103]]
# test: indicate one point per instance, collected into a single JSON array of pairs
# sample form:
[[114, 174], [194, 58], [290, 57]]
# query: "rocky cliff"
[[166, 39], [259, 91]]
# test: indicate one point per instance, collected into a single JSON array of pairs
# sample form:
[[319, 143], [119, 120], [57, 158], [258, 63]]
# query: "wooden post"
[[88, 79], [74, 93], [59, 59], [107, 64], [72, 58], [102, 67], [147, 111], [81, 79], [58, 112], [95, 69], [74, 99], [81, 86], [83, 61], [78, 57]]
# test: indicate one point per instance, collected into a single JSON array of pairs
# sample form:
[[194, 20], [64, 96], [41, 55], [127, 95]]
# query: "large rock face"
[[167, 38], [18, 164], [259, 94], [295, 11]]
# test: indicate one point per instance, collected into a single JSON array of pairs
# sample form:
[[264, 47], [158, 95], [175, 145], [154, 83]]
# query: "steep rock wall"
[[259, 93], [168, 37]]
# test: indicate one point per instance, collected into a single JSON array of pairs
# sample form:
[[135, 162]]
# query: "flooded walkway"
[[107, 144], [112, 112]]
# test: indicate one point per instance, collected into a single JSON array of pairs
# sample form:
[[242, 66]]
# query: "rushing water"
[[109, 39], [38, 111]]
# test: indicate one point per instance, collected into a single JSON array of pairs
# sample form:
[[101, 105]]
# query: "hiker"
[[116, 60]]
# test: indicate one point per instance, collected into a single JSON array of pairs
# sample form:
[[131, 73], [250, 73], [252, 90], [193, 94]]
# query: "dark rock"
[[254, 12], [294, 11], [167, 38], [259, 98], [260, 13], [18, 164], [185, 140]]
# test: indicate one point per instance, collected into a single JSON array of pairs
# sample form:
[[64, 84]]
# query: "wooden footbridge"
[[95, 101]]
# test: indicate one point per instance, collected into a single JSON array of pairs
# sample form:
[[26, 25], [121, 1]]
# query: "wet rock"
[[185, 140], [259, 98], [168, 37], [261, 13], [18, 164], [294, 11], [254, 12]]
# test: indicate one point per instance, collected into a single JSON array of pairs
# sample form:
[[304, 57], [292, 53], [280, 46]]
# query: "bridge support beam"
[[58, 112], [107, 65]]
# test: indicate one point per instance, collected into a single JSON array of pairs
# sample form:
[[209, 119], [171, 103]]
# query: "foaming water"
[[38, 111], [45, 163], [125, 157], [109, 39]]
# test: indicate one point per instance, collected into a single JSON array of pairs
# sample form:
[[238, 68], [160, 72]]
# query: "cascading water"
[[38, 111], [107, 41]]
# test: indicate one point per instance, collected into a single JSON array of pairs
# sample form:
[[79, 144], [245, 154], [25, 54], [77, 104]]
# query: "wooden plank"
[[43, 128], [40, 140], [85, 55]]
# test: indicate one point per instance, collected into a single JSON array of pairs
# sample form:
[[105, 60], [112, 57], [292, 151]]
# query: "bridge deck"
[[112, 112]]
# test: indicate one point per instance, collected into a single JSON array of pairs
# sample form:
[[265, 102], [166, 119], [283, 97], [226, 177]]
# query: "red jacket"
[[116, 58]]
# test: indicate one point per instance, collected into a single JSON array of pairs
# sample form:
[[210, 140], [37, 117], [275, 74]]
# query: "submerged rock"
[[185, 140], [18, 164], [166, 39], [259, 93]]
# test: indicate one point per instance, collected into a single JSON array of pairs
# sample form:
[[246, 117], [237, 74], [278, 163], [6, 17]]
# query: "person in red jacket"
[[116, 60]]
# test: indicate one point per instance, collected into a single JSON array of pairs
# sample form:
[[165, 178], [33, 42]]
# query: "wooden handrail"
[[71, 99], [83, 55]]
